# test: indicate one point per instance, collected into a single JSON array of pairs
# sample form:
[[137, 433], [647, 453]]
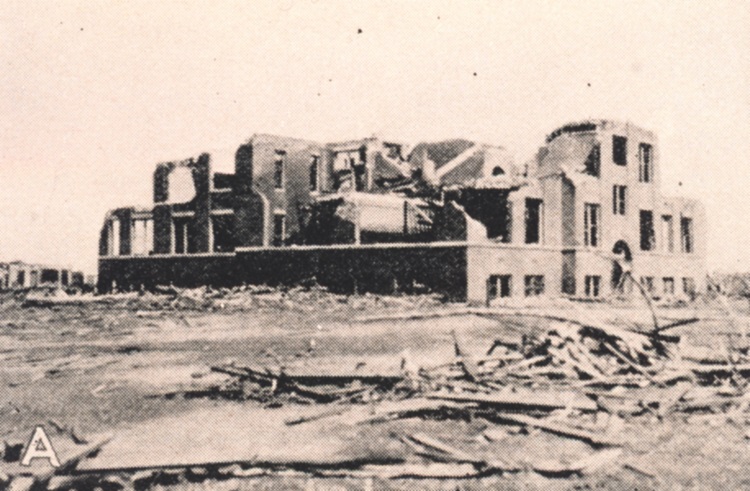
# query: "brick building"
[[455, 216]]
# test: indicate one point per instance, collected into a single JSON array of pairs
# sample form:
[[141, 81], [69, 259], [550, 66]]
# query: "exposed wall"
[[562, 161], [560, 177], [162, 229], [657, 266], [441, 268], [166, 202], [258, 157], [485, 260]]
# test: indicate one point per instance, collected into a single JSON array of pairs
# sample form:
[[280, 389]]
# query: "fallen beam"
[[632, 364], [557, 428], [586, 464], [306, 377], [531, 401]]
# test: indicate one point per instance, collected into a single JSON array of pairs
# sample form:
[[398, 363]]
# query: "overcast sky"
[[93, 94]]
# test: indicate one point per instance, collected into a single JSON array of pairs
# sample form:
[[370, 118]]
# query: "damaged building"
[[18, 275], [455, 216]]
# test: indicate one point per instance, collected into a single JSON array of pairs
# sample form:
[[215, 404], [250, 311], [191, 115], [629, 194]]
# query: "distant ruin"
[[18, 275]]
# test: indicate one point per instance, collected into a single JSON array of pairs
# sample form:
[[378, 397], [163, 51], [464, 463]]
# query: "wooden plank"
[[589, 463], [406, 471], [535, 401], [397, 409], [468, 365], [560, 429], [456, 454], [315, 417], [460, 456], [718, 369], [632, 364], [306, 376], [677, 323], [566, 357], [677, 392], [521, 365]]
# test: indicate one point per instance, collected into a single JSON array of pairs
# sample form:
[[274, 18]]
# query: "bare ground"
[[111, 367]]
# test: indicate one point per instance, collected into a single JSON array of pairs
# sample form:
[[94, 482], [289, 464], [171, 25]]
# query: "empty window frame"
[[688, 286], [619, 150], [592, 284], [142, 236], [667, 232], [533, 219], [181, 235], [278, 170], [500, 227], [645, 162], [647, 230], [50, 276], [593, 162], [591, 224], [499, 286], [279, 229], [668, 286], [533, 285], [647, 282], [619, 199], [314, 173], [686, 234]]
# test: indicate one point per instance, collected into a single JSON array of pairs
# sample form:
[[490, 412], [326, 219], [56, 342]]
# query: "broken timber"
[[310, 378], [556, 428], [533, 401]]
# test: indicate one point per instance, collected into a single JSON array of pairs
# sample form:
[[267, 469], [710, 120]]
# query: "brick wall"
[[345, 269]]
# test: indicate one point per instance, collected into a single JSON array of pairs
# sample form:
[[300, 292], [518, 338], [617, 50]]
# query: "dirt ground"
[[121, 367]]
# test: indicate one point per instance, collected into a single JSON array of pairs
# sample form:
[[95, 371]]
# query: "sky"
[[94, 93]]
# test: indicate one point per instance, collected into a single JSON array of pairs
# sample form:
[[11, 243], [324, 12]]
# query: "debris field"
[[592, 394]]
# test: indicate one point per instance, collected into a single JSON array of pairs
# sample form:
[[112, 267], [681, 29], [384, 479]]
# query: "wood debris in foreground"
[[564, 383]]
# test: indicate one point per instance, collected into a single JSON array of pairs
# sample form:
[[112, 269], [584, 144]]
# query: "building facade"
[[572, 221]]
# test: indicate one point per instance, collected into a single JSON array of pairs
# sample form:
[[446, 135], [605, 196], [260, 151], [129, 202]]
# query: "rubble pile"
[[305, 298]]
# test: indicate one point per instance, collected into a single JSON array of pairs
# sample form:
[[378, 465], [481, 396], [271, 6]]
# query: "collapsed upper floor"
[[591, 185]]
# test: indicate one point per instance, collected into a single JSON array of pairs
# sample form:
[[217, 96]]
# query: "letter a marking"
[[40, 447]]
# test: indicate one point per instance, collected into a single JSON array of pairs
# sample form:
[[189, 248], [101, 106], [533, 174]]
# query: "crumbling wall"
[[162, 229], [201, 172], [255, 173], [249, 206], [104, 239], [170, 194], [492, 209], [123, 216], [452, 223]]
